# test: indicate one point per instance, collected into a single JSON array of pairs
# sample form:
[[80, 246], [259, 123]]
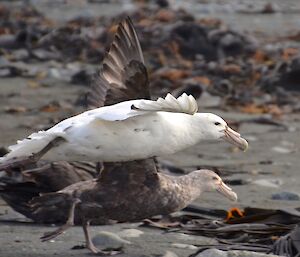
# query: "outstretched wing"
[[123, 75]]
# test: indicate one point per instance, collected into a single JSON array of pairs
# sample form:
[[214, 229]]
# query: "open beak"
[[235, 138], [227, 192]]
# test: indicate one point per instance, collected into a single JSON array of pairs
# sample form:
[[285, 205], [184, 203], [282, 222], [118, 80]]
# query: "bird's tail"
[[30, 145], [58, 201], [17, 189], [54, 205]]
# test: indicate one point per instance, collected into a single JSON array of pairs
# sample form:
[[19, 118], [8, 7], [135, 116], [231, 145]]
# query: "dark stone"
[[162, 3], [193, 89], [3, 151], [81, 78], [192, 40], [286, 196], [290, 80]]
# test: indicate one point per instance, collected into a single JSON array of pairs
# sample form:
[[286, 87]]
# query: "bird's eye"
[[217, 123], [215, 178]]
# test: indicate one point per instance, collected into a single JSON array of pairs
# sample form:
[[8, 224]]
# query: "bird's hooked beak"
[[235, 138], [227, 191]]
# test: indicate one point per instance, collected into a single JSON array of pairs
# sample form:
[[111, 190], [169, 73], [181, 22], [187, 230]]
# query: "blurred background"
[[239, 58]]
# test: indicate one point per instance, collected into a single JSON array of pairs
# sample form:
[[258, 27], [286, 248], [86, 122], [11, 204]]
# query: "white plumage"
[[125, 131], [184, 104], [129, 130]]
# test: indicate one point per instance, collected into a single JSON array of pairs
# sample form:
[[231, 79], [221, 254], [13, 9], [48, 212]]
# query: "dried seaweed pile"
[[183, 53], [253, 229]]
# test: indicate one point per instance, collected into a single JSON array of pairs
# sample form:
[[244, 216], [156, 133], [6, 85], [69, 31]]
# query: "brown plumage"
[[18, 187], [21, 180], [123, 75], [124, 194], [127, 191]]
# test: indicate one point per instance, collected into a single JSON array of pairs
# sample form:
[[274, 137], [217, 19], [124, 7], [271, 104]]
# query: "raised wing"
[[123, 75]]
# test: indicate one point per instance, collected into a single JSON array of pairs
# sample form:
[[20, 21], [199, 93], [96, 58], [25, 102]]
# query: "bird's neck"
[[175, 193], [184, 130], [191, 185]]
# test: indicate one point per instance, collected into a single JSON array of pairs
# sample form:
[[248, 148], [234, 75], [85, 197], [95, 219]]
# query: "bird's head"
[[210, 181], [214, 127]]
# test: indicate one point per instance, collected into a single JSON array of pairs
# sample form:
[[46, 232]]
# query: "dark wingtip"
[[117, 78]]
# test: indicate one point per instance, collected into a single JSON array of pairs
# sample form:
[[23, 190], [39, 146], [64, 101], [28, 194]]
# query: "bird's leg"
[[23, 161], [70, 222], [89, 243], [99, 168]]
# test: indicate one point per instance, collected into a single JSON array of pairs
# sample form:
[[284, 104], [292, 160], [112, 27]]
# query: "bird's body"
[[132, 202], [18, 187], [126, 131], [124, 194], [131, 139]]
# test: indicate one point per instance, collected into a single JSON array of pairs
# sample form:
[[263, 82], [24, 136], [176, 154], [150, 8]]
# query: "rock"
[[290, 78], [287, 196], [223, 87], [20, 55], [230, 43], [10, 71], [3, 151], [170, 254], [212, 253], [190, 88], [192, 40], [60, 74], [15, 109], [270, 8], [44, 55], [132, 232], [282, 150], [234, 253], [165, 15], [184, 246], [285, 75], [162, 3], [238, 253], [275, 183], [208, 100], [81, 78], [109, 241], [9, 41]]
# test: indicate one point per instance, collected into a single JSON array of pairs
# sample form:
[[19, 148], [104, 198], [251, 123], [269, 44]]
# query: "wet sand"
[[273, 156], [261, 162]]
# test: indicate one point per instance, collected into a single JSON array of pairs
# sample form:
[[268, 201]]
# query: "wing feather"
[[183, 104], [123, 75]]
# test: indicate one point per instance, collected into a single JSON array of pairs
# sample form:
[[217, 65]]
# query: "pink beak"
[[235, 138]]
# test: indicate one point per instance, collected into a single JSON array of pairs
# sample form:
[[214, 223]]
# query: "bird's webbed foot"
[[99, 252]]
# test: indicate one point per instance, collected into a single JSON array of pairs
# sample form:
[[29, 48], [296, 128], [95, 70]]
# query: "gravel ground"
[[271, 165]]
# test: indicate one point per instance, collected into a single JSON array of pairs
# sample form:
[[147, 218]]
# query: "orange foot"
[[234, 213]]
